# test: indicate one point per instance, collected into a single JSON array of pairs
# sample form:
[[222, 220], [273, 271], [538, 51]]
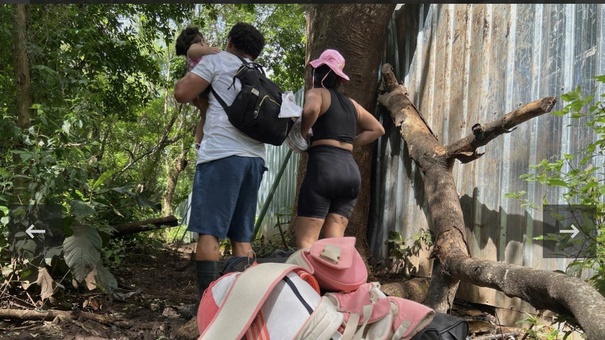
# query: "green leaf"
[[102, 278], [104, 176], [556, 182], [81, 210], [82, 250], [26, 156], [569, 96]]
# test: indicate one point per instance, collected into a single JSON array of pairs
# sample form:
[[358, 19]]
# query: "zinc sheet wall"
[[471, 63], [285, 192]]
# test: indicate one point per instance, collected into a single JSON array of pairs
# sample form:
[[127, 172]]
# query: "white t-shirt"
[[221, 139]]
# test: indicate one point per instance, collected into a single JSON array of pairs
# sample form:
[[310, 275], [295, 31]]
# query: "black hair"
[[247, 39], [188, 37], [332, 80]]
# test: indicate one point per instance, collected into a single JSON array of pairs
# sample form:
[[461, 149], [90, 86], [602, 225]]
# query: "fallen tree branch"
[[151, 224], [503, 336], [465, 149], [49, 315], [542, 289]]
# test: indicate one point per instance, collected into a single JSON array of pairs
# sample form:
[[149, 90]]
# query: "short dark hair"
[[188, 37], [247, 39], [332, 80]]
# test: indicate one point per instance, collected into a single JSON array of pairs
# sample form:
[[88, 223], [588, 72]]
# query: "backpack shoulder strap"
[[220, 100], [244, 61], [245, 299]]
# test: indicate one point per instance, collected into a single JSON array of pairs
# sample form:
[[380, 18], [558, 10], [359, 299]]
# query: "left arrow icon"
[[31, 231]]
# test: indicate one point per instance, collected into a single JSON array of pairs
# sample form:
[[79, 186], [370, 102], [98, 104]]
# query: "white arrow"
[[574, 231], [31, 231]]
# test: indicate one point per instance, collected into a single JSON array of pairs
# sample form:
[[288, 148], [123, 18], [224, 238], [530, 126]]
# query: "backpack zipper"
[[261, 104]]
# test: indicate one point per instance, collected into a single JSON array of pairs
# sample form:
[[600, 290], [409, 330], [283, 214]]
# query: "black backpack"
[[444, 327], [256, 107]]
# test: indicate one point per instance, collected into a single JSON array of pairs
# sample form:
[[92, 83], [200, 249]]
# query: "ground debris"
[[155, 295]]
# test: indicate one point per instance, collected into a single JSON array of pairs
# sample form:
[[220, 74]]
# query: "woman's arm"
[[371, 129], [311, 110]]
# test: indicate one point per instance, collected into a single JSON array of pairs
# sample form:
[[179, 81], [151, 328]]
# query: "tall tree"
[[22, 72], [23, 88], [358, 32]]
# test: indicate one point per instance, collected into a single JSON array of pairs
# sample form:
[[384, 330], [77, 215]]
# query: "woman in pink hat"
[[332, 182]]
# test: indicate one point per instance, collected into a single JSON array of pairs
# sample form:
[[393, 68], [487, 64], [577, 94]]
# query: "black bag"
[[444, 327], [240, 263], [256, 107]]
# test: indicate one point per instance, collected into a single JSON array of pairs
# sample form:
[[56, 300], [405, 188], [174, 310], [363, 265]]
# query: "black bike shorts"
[[331, 184]]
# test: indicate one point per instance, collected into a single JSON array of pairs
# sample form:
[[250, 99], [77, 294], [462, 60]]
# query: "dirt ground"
[[161, 290]]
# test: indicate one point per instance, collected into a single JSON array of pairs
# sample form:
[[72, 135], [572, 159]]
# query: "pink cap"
[[334, 60]]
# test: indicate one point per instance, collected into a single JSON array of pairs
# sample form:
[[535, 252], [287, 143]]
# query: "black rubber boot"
[[205, 273]]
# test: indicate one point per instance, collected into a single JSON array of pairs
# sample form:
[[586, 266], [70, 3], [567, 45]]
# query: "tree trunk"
[[543, 289], [362, 45], [172, 176], [21, 61], [23, 92], [140, 226]]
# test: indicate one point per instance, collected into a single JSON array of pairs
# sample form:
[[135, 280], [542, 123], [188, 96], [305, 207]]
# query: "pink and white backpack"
[[267, 301], [283, 301]]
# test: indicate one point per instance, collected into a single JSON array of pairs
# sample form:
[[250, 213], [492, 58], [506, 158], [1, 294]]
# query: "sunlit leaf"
[[104, 176], [82, 250], [101, 278], [48, 286]]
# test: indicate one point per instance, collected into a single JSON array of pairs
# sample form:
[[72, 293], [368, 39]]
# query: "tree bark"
[[24, 96], [542, 289], [21, 61], [172, 173], [362, 45]]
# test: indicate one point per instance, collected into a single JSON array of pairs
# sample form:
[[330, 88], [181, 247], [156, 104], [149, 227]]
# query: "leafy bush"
[[581, 178], [401, 250]]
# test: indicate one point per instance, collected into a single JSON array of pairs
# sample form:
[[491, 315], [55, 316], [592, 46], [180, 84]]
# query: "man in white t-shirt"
[[230, 165]]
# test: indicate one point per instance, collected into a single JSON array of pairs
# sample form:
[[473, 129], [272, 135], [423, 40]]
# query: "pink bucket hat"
[[334, 60]]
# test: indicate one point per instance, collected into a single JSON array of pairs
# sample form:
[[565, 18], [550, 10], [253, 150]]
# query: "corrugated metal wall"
[[285, 192], [471, 63]]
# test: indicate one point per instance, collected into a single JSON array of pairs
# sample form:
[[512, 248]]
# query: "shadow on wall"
[[498, 235], [392, 165]]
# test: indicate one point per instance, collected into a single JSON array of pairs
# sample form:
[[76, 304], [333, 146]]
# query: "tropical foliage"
[[106, 143]]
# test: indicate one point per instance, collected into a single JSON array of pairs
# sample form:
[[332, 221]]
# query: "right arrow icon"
[[574, 231]]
